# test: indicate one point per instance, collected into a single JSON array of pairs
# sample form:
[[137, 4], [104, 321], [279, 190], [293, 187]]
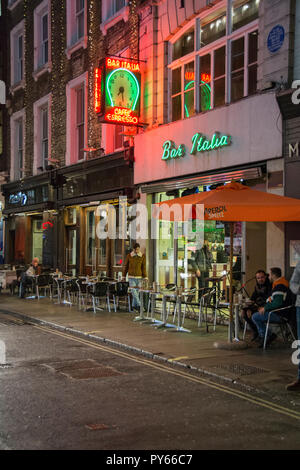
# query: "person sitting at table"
[[135, 267], [262, 291], [280, 297], [28, 276]]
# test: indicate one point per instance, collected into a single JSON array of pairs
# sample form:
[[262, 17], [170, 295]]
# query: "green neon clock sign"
[[122, 88]]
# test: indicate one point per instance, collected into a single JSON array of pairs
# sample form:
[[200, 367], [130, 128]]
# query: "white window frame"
[[109, 20], [40, 11], [209, 49], [11, 4], [15, 172], [38, 107], [71, 144], [73, 42], [15, 34]]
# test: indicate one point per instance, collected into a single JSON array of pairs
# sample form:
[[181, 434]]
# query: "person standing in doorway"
[[295, 288], [135, 267]]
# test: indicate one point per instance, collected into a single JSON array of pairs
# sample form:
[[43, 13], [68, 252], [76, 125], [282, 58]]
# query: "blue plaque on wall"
[[276, 38]]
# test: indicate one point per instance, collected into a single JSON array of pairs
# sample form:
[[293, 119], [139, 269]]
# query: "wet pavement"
[[60, 391], [268, 371]]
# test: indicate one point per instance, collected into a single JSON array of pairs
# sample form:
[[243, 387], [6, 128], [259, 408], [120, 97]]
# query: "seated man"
[[279, 299], [262, 291], [28, 276]]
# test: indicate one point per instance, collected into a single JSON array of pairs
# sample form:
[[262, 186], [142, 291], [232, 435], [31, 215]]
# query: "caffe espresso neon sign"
[[200, 144]]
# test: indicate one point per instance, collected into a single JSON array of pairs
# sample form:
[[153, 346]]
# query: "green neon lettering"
[[200, 144], [223, 141], [213, 142], [173, 153], [166, 147], [205, 146], [194, 141], [181, 150]]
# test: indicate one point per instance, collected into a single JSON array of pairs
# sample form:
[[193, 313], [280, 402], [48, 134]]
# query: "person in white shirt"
[[28, 275]]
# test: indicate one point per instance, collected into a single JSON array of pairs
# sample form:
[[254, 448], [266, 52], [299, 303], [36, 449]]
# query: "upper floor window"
[[17, 145], [17, 53], [184, 45], [80, 18], [41, 35], [76, 119], [76, 24], [243, 12], [212, 28], [113, 11], [41, 112], [244, 74], [80, 121], [13, 3], [19, 149], [111, 7]]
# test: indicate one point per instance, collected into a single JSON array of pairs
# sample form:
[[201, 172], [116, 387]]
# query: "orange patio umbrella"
[[233, 202]]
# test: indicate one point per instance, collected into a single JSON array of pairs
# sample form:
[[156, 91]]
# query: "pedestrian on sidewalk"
[[135, 267], [279, 298], [295, 288]]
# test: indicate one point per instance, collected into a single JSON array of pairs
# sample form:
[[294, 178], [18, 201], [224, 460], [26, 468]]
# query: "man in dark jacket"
[[202, 264], [262, 291], [279, 298]]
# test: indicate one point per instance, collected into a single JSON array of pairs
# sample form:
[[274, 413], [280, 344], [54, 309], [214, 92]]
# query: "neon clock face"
[[122, 89]]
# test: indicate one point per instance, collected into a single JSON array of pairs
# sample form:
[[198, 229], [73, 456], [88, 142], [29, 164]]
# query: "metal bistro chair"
[[44, 281], [72, 290], [83, 293], [283, 324], [122, 292], [100, 291]]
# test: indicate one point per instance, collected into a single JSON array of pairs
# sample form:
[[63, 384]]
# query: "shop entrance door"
[[37, 238], [71, 255], [104, 257]]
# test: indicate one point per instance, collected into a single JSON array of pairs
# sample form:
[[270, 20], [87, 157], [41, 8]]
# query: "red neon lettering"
[[205, 77], [124, 64], [97, 90]]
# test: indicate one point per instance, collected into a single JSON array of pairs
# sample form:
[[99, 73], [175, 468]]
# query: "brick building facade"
[[62, 159]]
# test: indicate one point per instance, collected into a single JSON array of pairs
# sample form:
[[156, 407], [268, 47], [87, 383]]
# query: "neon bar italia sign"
[[117, 91], [200, 144]]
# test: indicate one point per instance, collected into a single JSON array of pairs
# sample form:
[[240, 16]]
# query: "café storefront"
[[237, 142], [30, 226], [83, 188]]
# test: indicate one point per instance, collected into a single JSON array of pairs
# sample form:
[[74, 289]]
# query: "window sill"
[[11, 7], [122, 14], [81, 44], [41, 71], [17, 86]]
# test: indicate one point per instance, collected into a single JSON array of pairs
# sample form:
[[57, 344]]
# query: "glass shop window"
[[244, 12], [237, 72], [212, 28], [184, 45]]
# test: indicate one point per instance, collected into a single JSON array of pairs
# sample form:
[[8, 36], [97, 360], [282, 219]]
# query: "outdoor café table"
[[141, 316], [178, 298]]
